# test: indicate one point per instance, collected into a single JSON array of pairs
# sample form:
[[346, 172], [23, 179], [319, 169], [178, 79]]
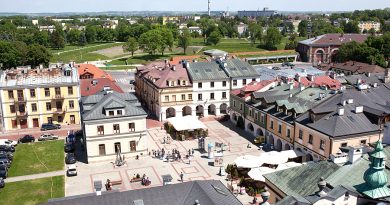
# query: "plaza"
[[200, 167]]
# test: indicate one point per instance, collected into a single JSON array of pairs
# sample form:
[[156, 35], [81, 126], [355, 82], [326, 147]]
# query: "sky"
[[55, 6]]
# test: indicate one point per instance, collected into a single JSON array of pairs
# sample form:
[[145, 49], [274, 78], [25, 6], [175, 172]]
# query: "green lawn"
[[31, 192], [28, 158], [83, 54], [228, 45]]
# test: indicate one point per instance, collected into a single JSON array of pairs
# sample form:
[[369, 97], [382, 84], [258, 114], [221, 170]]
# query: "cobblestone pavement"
[[200, 167]]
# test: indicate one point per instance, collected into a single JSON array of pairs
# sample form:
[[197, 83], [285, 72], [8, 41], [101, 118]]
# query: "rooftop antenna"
[[209, 4]]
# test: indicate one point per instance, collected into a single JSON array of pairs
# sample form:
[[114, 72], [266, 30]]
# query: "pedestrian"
[[189, 152], [189, 160], [181, 177], [193, 151], [164, 140]]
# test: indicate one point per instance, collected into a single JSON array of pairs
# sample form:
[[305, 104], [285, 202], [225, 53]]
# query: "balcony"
[[58, 97], [20, 99], [21, 114], [59, 111]]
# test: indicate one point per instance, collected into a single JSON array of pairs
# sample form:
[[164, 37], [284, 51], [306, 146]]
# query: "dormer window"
[[119, 112], [111, 113], [178, 82], [172, 83], [167, 83], [184, 82]]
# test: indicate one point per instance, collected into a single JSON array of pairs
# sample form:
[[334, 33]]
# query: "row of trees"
[[376, 50]]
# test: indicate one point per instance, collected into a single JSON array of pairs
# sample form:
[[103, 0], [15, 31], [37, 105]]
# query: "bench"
[[135, 180], [119, 182]]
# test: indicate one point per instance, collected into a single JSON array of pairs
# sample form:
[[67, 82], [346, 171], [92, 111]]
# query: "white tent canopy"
[[291, 154], [257, 173], [273, 158], [287, 165], [248, 161], [186, 123]]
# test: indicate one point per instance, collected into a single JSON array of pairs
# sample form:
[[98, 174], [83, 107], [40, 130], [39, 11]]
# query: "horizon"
[[88, 6]]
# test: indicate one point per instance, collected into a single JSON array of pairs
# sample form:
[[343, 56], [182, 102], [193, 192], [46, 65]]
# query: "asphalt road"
[[122, 79]]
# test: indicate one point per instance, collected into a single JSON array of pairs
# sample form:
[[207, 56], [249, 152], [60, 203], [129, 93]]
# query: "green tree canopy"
[[184, 40], [302, 28], [273, 38], [214, 38], [38, 54], [131, 45]]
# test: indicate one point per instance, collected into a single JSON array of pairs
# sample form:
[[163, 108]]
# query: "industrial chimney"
[[209, 4]]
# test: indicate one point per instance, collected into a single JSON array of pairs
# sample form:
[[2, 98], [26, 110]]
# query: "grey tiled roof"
[[94, 106], [175, 194], [206, 71], [301, 181], [239, 68]]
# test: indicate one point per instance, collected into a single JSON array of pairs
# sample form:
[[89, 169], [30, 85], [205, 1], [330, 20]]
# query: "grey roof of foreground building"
[[199, 71], [210, 192]]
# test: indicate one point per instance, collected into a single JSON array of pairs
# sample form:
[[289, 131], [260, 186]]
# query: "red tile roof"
[[335, 39], [354, 67], [318, 81], [250, 88], [176, 59], [94, 71], [87, 88]]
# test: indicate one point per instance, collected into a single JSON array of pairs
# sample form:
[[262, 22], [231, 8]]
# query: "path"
[[35, 176], [76, 49]]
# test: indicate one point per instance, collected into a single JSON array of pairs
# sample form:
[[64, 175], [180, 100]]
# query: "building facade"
[[113, 123], [31, 97], [366, 26]]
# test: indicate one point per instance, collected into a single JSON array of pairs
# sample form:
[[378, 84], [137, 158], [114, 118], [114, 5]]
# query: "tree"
[[73, 36], [273, 38], [214, 38], [38, 54], [131, 45], [90, 34], [351, 27], [360, 52], [184, 40], [302, 28], [82, 39], [9, 55], [151, 41], [167, 39], [255, 32], [57, 40], [292, 42]]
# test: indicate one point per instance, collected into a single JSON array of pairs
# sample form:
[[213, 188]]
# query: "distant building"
[[367, 25], [113, 123], [35, 22], [31, 97], [320, 49], [242, 28], [259, 13], [191, 29], [352, 67], [110, 24]]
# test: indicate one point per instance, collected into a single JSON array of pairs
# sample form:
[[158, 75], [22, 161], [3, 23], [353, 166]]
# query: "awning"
[[291, 154], [186, 123], [257, 173], [287, 165], [273, 158], [248, 161]]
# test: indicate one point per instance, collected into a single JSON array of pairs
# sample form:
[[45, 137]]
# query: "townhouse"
[[31, 97], [113, 123]]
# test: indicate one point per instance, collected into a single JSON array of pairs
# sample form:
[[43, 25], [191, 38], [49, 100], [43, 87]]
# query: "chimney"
[[368, 74], [354, 154], [290, 95], [298, 78], [291, 86], [358, 109], [340, 111], [358, 81], [174, 67], [301, 87], [321, 185], [350, 101], [311, 77], [196, 202]]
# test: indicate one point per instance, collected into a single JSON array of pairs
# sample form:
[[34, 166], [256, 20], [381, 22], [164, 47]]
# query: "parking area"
[[199, 168]]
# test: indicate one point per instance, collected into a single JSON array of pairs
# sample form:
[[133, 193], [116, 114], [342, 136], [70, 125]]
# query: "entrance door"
[[72, 119], [23, 124], [35, 122], [133, 146]]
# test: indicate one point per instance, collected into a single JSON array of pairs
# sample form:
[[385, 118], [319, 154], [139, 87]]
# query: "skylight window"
[[219, 190], [139, 202]]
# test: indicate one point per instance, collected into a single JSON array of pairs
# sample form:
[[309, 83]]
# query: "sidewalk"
[[35, 176]]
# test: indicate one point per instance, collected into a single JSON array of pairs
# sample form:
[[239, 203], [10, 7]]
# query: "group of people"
[[163, 154], [167, 140], [145, 180]]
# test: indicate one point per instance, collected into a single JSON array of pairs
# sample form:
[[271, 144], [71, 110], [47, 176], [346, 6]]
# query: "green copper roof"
[[378, 151]]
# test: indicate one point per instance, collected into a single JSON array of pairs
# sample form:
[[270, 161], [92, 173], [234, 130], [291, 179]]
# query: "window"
[[234, 82], [12, 108], [47, 92], [11, 94], [212, 84], [211, 96], [240, 106], [34, 107], [133, 146], [272, 124], [288, 133], [111, 113], [167, 82], [234, 103], [102, 149], [223, 95], [199, 96], [189, 96], [60, 119], [310, 139], [280, 129], [344, 144], [48, 106], [184, 82], [32, 93], [172, 83], [178, 82], [322, 144], [116, 128], [199, 85], [132, 127], [244, 81], [117, 147], [70, 90], [59, 105], [183, 97], [14, 124], [256, 116], [71, 104], [119, 112], [22, 108], [300, 135], [50, 120], [174, 98], [58, 91], [166, 98], [223, 83], [100, 130], [250, 113], [253, 79], [261, 118], [363, 141]]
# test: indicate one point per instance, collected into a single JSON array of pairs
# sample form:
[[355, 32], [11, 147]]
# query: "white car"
[[45, 137], [71, 170], [8, 142]]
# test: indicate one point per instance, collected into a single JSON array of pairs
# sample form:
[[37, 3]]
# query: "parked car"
[[132, 82], [70, 158], [49, 126], [45, 137], [289, 64], [6, 158], [26, 139], [8, 142], [71, 171], [9, 155], [69, 147], [5, 162], [3, 171], [6, 148], [2, 183]]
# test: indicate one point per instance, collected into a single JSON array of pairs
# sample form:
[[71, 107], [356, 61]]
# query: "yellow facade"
[[32, 106]]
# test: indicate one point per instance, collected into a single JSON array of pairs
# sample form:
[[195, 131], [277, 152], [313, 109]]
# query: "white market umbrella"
[[273, 158], [248, 161], [257, 173], [287, 165]]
